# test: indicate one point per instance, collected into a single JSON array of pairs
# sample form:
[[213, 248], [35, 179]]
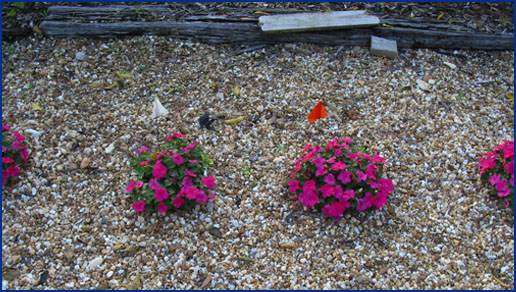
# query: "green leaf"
[[20, 5], [11, 13]]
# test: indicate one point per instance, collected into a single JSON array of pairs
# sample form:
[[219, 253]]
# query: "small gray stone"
[[384, 47], [80, 56]]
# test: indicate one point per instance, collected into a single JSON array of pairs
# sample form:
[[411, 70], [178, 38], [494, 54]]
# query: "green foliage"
[[20, 5]]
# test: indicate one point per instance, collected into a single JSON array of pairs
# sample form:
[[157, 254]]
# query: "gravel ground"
[[67, 227]]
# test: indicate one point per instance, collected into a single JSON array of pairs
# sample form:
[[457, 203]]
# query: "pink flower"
[[174, 135], [361, 176], [178, 202], [178, 159], [365, 156], [201, 197], [327, 190], [16, 145], [144, 162], [365, 202], [319, 161], [13, 170], [4, 149], [211, 197], [339, 166], [162, 208], [298, 168], [193, 161], [141, 150], [308, 156], [504, 193], [486, 163], [309, 185], [153, 184], [309, 199], [378, 159], [187, 181], [190, 173], [329, 179], [134, 184], [320, 171], [331, 160], [163, 152], [494, 179], [338, 193], [161, 194], [506, 203], [337, 152], [512, 181], [385, 185], [507, 147], [349, 194], [5, 176], [336, 208], [501, 185], [371, 171], [347, 140], [380, 199], [293, 185], [5, 127], [372, 183], [25, 155], [139, 206], [345, 176], [307, 147], [191, 192], [208, 181], [18, 136], [159, 170], [7, 160], [509, 167]]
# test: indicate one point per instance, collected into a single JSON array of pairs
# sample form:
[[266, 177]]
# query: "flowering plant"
[[171, 176], [339, 178], [14, 153], [497, 167]]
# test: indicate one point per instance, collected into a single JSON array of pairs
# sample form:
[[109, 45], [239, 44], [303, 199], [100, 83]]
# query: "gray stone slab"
[[317, 21], [384, 47]]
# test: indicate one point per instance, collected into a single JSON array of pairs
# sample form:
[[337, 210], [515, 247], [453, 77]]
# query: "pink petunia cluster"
[[336, 178], [14, 154], [169, 179], [497, 167]]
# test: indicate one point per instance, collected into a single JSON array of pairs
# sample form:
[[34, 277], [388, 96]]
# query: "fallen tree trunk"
[[250, 33]]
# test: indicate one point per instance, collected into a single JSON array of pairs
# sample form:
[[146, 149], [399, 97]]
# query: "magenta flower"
[[349, 194], [174, 135], [16, 145], [178, 159], [5, 176], [486, 163], [5, 127], [378, 159], [141, 150], [339, 166], [161, 194], [309, 185], [331, 144], [298, 168], [507, 148], [319, 161], [4, 149], [153, 184], [361, 176], [163, 152], [501, 185], [385, 185], [494, 179], [331, 160], [144, 162], [365, 202], [327, 190], [504, 193], [159, 170], [309, 199], [208, 181], [336, 208], [512, 181], [194, 161], [347, 140], [13, 170], [307, 147], [371, 171], [506, 203], [190, 173], [134, 184], [162, 208], [329, 179], [372, 183], [337, 152], [320, 171], [293, 185], [201, 197], [308, 156], [187, 181], [178, 202], [139, 206], [338, 192], [191, 192], [509, 167], [380, 199], [25, 155], [345, 176], [7, 160], [18, 136]]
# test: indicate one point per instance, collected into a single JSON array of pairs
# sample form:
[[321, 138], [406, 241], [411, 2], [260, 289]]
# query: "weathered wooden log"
[[15, 32], [112, 12], [250, 33]]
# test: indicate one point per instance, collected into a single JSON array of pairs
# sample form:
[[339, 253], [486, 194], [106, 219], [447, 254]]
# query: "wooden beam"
[[317, 21]]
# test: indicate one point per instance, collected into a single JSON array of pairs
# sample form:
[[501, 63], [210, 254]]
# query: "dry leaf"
[[440, 16], [37, 30], [234, 121], [288, 245], [36, 107], [383, 270], [137, 283], [124, 75], [206, 282], [510, 96], [158, 109], [261, 13], [236, 91], [96, 84], [111, 86]]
